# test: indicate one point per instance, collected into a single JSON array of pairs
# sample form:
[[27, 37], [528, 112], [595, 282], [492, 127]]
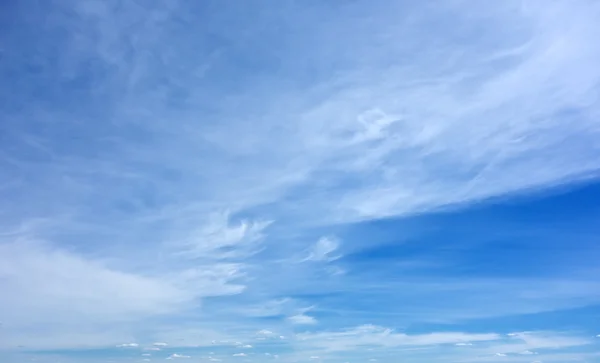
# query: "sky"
[[299, 181]]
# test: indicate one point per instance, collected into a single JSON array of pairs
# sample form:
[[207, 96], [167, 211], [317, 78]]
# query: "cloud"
[[265, 332], [176, 356], [240, 355], [159, 344], [534, 343], [218, 238], [269, 308], [527, 352], [550, 340], [73, 293], [376, 336], [322, 249], [128, 345], [77, 296], [302, 319]]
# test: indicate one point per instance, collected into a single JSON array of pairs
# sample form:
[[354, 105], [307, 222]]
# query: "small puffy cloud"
[[175, 356], [154, 349], [500, 355], [128, 345], [463, 344], [240, 355], [264, 332], [146, 355], [246, 346], [159, 344], [314, 357], [302, 319]]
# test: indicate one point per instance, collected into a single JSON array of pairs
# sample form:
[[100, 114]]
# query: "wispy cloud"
[[165, 168], [218, 238], [322, 250], [128, 345], [302, 319], [370, 335], [176, 356]]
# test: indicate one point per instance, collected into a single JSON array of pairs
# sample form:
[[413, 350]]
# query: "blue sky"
[[299, 181]]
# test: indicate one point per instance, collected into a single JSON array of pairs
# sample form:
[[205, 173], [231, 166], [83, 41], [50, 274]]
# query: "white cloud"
[[371, 335], [549, 340], [268, 308], [128, 345], [218, 237], [76, 294], [175, 356], [240, 355], [302, 319], [323, 248], [92, 287], [527, 352], [527, 343], [159, 344]]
